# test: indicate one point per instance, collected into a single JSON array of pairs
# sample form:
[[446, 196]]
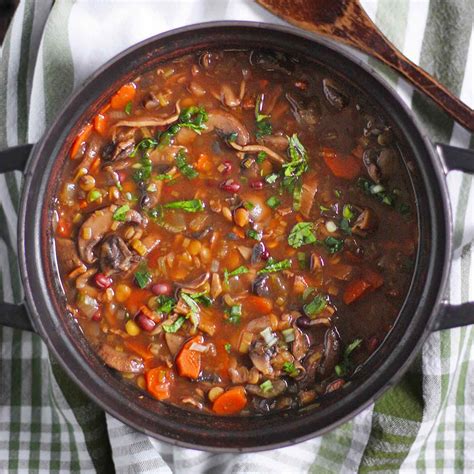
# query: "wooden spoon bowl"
[[346, 21]]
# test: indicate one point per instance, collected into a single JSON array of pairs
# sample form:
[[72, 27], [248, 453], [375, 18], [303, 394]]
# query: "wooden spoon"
[[346, 21]]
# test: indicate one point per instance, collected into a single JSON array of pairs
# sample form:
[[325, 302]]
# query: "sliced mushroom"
[[81, 280], [279, 386], [150, 121], [257, 149], [386, 162], [67, 256], [174, 342], [260, 286], [308, 192], [331, 353], [311, 365], [305, 112], [118, 151], [194, 284], [99, 222], [226, 124], [228, 97], [366, 223], [216, 286], [115, 256], [277, 142], [260, 356], [334, 95], [300, 345], [121, 361], [239, 375]]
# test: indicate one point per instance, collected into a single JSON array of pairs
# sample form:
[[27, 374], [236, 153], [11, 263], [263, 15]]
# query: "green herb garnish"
[[271, 178], [174, 326], [261, 157], [315, 306], [202, 298], [143, 278], [238, 271], [302, 260], [144, 171], [273, 267], [228, 347], [264, 127], [194, 118], [165, 304], [345, 366], [249, 205], [301, 234], [347, 212], [163, 177], [299, 158], [128, 108], [333, 245], [254, 234], [193, 205], [144, 144], [120, 213], [273, 202], [184, 167]]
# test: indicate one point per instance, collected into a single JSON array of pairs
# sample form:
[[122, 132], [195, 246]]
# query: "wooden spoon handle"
[[347, 21]]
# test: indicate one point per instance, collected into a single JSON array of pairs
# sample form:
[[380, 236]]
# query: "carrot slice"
[[230, 402], [64, 228], [100, 122], [81, 137], [257, 304], [158, 382], [188, 362], [341, 166], [354, 290], [138, 348], [123, 96], [204, 163]]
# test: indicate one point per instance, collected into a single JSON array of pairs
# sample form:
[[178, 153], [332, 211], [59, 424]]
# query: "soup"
[[235, 232]]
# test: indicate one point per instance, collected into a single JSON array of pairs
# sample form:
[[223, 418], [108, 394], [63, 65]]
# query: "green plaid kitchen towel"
[[424, 424]]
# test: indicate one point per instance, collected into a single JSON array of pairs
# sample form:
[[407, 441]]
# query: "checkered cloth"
[[423, 424]]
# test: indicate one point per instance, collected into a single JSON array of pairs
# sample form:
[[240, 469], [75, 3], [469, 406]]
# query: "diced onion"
[[198, 347], [269, 337], [214, 266], [377, 188], [331, 226], [288, 334]]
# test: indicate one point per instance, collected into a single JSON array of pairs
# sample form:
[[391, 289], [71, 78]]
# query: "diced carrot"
[[341, 166], [203, 163], [82, 204], [64, 228], [257, 304], [230, 402], [100, 122], [158, 381], [94, 166], [81, 137], [138, 348], [123, 96], [188, 102], [354, 290], [188, 362], [375, 279]]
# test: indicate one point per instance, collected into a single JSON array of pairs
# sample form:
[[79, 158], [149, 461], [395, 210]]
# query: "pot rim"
[[32, 269]]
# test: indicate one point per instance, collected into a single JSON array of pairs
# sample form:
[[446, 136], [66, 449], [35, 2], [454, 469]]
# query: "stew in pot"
[[235, 231]]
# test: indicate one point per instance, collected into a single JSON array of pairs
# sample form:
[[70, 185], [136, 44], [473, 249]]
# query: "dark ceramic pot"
[[425, 309]]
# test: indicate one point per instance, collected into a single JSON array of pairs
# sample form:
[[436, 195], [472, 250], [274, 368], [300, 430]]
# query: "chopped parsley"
[[193, 117], [347, 212], [273, 202], [254, 234], [301, 234], [238, 271], [264, 127], [128, 108], [143, 278], [315, 306], [377, 190], [273, 267], [165, 304], [193, 205], [249, 205], [174, 326], [228, 347], [184, 167], [163, 177], [202, 298], [298, 163], [143, 170], [120, 213], [144, 144], [333, 245], [261, 157]]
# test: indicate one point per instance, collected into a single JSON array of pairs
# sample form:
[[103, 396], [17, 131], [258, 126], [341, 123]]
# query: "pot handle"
[[460, 159], [15, 315]]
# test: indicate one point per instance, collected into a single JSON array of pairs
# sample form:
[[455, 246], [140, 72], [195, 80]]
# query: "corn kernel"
[[194, 247], [86, 233], [214, 393], [87, 182], [132, 328], [139, 247], [141, 382], [122, 293]]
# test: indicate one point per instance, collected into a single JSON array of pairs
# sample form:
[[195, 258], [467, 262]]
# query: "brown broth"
[[347, 191]]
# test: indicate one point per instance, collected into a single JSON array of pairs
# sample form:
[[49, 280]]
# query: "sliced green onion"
[[288, 334], [266, 386], [269, 337]]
